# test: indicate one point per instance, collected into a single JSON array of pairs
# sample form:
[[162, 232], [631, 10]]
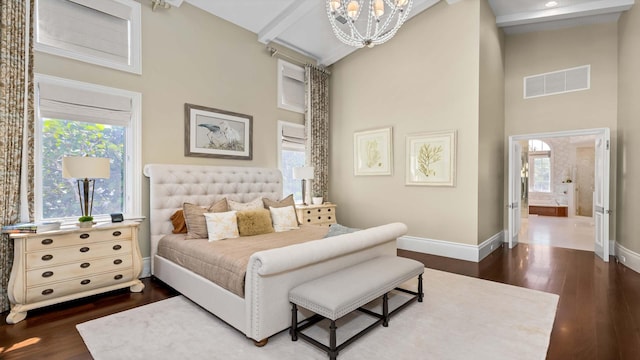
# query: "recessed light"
[[551, 4]]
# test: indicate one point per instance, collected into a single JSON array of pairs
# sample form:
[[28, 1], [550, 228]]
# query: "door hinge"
[[609, 212], [607, 144]]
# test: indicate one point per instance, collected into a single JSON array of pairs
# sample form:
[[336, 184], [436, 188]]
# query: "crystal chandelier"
[[379, 22]]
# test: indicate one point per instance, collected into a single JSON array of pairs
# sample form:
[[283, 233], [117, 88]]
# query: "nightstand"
[[324, 214], [61, 265]]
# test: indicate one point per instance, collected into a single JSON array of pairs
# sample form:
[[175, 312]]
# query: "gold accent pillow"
[[254, 222], [288, 201], [194, 218], [222, 225]]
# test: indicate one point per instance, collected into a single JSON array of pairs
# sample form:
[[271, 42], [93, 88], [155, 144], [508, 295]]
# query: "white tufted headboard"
[[172, 185]]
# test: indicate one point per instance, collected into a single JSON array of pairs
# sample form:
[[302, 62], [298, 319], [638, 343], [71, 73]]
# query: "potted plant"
[[85, 221], [316, 199]]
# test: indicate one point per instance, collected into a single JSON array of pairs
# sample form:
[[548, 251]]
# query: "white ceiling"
[[302, 25]]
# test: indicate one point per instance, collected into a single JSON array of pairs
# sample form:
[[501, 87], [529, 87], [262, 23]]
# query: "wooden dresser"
[[62, 265], [324, 214]]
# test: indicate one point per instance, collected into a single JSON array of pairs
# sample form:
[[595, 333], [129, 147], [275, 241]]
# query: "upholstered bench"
[[341, 292]]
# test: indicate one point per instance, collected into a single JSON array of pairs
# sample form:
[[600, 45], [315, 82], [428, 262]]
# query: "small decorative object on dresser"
[[324, 214], [62, 265]]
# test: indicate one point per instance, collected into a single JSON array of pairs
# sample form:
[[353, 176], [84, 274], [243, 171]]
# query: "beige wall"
[[629, 130], [545, 51], [425, 79], [190, 56], [491, 130]]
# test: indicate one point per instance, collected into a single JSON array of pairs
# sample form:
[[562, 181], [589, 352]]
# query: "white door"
[[515, 164], [601, 195]]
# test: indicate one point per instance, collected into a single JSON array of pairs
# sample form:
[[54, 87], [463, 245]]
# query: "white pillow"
[[284, 218], [251, 205], [222, 225]]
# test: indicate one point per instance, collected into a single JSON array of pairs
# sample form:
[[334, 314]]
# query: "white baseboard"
[[628, 258], [146, 267], [450, 249]]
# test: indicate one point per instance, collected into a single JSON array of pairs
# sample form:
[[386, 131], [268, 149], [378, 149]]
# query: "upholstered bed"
[[264, 310]]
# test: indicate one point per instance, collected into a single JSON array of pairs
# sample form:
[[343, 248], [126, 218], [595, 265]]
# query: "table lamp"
[[305, 174], [85, 169]]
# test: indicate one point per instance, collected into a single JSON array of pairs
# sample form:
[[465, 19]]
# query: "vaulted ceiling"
[[302, 25]]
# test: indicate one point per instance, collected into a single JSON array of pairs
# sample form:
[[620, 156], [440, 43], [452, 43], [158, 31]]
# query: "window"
[[102, 32], [539, 166], [290, 86], [291, 154], [77, 119]]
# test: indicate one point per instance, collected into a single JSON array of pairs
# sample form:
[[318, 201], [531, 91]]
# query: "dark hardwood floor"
[[598, 313]]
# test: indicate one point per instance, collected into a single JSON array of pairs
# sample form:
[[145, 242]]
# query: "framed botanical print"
[[431, 159], [373, 152]]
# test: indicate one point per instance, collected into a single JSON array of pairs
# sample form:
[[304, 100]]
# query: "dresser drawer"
[[78, 253], [319, 219], [50, 291], [63, 272], [48, 241]]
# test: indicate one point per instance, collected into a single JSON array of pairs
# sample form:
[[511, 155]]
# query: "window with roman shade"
[[102, 32], [81, 119], [291, 154]]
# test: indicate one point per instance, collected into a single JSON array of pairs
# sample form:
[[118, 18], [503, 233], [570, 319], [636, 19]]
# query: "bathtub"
[[547, 208]]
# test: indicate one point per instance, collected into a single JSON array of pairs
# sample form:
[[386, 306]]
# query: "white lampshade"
[[85, 167], [303, 173]]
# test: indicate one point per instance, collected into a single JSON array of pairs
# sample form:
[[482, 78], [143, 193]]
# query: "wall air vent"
[[558, 82]]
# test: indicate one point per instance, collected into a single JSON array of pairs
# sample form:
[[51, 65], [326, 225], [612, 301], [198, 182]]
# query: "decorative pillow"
[[284, 218], [177, 219], [288, 201], [251, 205], [194, 218], [337, 229], [221, 225], [254, 222]]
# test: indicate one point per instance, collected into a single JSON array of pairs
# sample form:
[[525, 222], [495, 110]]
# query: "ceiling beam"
[[289, 16], [567, 12]]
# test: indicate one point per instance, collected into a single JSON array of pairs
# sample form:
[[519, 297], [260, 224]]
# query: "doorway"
[[559, 189]]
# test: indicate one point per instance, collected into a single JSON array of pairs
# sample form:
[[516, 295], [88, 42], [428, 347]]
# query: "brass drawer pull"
[[85, 282], [329, 217], [117, 261], [47, 257], [117, 277], [84, 236], [308, 211], [47, 291], [84, 249], [308, 220], [319, 210], [329, 210], [47, 241], [85, 265], [117, 233], [47, 274], [117, 247]]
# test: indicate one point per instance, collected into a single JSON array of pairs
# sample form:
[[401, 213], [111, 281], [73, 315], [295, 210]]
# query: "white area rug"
[[461, 318]]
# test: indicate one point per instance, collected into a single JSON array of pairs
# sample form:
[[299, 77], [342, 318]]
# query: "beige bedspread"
[[225, 261]]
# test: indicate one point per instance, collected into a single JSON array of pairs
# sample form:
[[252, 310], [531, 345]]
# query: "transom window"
[[540, 174]]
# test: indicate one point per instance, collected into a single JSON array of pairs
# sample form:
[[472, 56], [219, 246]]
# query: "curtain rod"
[[275, 52]]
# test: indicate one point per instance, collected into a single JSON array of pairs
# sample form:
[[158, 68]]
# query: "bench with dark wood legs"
[[341, 292]]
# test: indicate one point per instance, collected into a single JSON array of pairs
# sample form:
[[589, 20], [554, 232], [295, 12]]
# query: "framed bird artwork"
[[217, 133]]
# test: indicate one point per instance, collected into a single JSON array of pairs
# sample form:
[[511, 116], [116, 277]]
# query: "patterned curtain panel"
[[14, 55], [317, 126]]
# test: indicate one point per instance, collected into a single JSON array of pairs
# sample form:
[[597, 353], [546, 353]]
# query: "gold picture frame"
[[431, 159], [373, 152]]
